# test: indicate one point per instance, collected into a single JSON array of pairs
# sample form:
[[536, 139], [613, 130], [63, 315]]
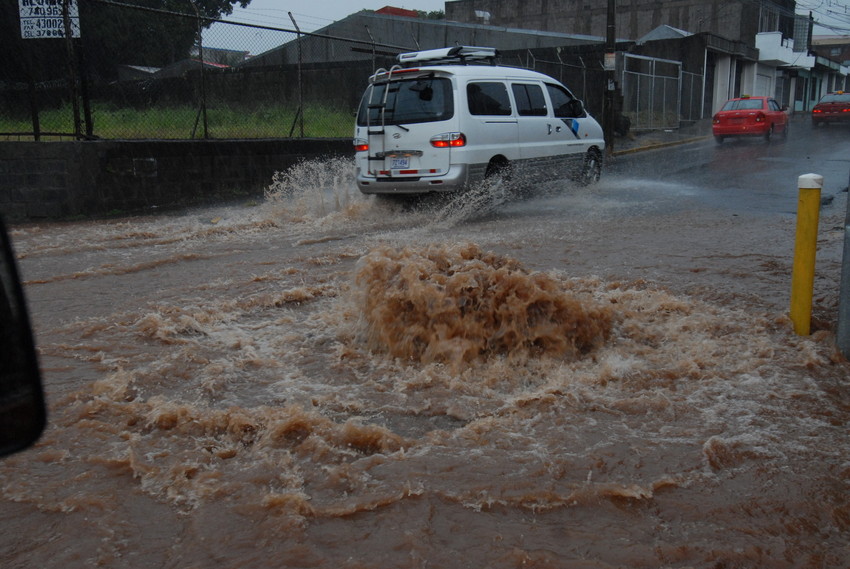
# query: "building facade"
[[734, 32]]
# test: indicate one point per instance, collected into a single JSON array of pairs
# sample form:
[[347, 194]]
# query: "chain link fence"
[[169, 71], [652, 92], [151, 73], [579, 69], [659, 94]]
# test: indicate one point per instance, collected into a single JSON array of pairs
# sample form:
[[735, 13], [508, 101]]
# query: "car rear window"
[[836, 98], [416, 100], [743, 105]]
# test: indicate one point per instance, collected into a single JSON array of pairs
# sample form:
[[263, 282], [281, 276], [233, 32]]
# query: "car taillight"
[[448, 140], [716, 119], [360, 145], [817, 110], [759, 117]]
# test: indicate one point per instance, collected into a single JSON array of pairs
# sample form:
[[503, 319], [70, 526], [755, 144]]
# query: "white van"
[[447, 118]]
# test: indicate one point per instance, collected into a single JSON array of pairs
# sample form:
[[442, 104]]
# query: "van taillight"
[[361, 145], [448, 140]]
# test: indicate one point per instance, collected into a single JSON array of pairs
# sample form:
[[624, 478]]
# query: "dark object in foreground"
[[22, 412]]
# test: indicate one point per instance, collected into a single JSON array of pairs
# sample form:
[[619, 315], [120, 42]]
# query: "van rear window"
[[417, 100]]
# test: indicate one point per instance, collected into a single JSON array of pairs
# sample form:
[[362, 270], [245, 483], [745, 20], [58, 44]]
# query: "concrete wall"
[[634, 18], [738, 19], [50, 180]]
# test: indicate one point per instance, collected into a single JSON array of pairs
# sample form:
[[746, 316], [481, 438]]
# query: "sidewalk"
[[648, 140], [636, 141]]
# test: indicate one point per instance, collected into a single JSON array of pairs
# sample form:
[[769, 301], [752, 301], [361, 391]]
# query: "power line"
[[826, 15]]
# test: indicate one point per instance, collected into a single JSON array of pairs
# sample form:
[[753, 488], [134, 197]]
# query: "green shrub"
[[182, 122]]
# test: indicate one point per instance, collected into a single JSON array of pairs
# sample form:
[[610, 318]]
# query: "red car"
[[750, 116], [834, 107]]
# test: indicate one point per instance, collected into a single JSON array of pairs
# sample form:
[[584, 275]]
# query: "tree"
[[114, 35], [433, 15]]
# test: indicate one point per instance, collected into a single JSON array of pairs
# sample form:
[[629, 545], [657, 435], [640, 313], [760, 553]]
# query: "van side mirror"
[[576, 108], [22, 408]]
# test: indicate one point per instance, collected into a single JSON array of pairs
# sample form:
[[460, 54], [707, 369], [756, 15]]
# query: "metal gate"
[[691, 102], [657, 94]]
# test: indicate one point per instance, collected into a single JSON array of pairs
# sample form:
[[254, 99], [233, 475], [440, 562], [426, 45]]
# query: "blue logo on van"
[[573, 125]]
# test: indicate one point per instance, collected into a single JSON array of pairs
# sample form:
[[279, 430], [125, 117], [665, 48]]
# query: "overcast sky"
[[315, 14], [309, 15], [833, 14]]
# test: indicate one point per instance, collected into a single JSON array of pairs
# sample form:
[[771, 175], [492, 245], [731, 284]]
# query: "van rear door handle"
[[550, 128]]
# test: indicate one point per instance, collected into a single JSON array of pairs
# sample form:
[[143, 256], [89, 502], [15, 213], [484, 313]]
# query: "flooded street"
[[582, 378]]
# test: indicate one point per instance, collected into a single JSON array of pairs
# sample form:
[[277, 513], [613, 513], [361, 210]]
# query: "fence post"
[[843, 333], [72, 67], [203, 109], [372, 39], [300, 113], [805, 249], [84, 90], [36, 125]]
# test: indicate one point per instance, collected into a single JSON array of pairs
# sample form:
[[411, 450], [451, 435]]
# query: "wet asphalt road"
[[745, 176]]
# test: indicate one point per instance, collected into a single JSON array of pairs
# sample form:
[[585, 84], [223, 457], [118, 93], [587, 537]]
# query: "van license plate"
[[400, 164]]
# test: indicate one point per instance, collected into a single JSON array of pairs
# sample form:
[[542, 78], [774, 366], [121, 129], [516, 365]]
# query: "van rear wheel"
[[498, 170], [499, 179], [591, 168]]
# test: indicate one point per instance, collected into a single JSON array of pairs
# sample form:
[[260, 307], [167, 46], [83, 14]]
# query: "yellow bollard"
[[805, 249]]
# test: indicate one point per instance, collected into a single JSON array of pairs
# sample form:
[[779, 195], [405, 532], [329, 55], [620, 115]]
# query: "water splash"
[[456, 304], [476, 201], [316, 188]]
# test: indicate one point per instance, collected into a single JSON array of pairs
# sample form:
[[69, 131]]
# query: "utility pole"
[[608, 115]]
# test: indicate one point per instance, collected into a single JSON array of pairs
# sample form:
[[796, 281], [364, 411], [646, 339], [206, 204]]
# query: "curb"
[[659, 145]]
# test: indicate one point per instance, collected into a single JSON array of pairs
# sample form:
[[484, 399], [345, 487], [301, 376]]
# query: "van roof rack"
[[458, 55]]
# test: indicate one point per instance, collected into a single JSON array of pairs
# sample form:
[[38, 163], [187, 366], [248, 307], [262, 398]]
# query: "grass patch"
[[179, 122]]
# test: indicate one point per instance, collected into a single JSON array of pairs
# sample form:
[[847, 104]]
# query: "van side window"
[[529, 100], [486, 98], [565, 105]]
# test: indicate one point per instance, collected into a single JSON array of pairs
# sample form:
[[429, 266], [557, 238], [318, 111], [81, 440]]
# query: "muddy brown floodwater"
[[328, 380]]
